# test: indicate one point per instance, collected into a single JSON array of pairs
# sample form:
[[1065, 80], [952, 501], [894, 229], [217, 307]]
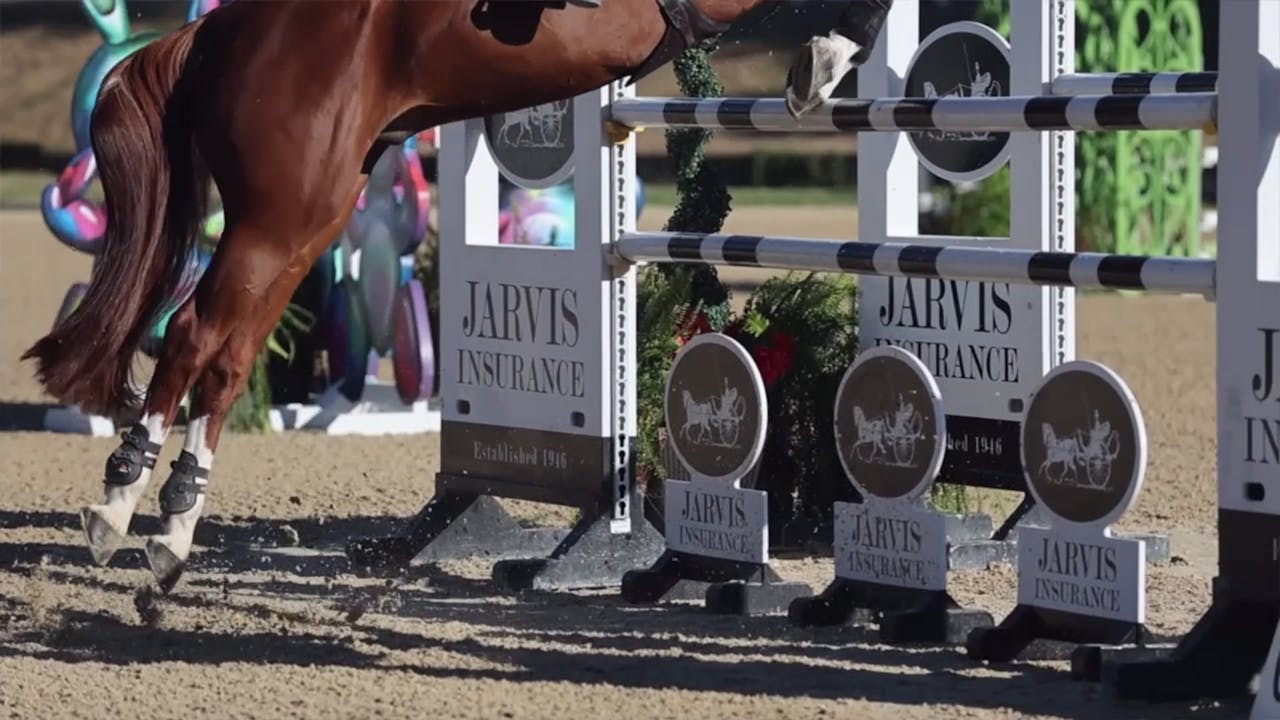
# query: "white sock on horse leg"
[[196, 444], [841, 51], [180, 527], [126, 477], [122, 500], [822, 64]]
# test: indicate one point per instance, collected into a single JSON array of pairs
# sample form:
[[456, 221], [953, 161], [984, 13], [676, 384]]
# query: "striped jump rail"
[[951, 262], [1157, 83], [1191, 111]]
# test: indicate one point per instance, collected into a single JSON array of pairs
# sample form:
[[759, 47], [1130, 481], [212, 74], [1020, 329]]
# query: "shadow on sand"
[[580, 638]]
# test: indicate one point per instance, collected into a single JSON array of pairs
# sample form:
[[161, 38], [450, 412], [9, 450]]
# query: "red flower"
[[691, 324], [784, 343], [784, 347], [772, 367], [776, 358]]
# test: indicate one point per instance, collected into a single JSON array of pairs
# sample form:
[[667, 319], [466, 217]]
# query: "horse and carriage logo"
[[1091, 451], [980, 85], [965, 60], [714, 422], [889, 439], [537, 127]]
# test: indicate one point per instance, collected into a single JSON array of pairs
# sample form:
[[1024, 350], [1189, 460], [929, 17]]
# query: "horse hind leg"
[[130, 466], [249, 312], [225, 300], [182, 499], [127, 475]]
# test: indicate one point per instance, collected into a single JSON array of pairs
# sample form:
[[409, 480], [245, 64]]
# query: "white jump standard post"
[[986, 340], [717, 533], [891, 551], [537, 362], [1225, 650]]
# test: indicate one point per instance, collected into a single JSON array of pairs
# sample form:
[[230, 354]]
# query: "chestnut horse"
[[229, 98]]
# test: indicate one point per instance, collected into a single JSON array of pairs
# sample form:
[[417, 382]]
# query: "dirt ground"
[[242, 639]]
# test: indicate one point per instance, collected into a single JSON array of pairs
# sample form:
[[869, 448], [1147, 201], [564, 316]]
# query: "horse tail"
[[156, 192]]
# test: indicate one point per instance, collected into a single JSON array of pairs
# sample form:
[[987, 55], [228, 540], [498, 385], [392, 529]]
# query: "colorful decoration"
[[538, 217], [75, 220], [413, 355], [543, 217], [372, 305], [79, 222]]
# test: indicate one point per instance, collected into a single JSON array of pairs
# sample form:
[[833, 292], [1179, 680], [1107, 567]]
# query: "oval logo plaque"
[[533, 146], [891, 431], [1084, 445], [962, 60], [716, 409]]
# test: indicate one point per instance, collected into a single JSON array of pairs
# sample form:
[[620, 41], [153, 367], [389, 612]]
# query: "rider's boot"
[[127, 473], [584, 3]]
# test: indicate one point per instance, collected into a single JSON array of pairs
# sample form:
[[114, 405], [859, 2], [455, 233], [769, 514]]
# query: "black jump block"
[[728, 587], [1063, 631], [905, 615], [1218, 658], [456, 526]]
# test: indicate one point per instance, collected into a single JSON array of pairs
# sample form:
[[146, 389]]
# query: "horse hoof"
[[800, 94], [819, 68], [102, 537], [165, 564]]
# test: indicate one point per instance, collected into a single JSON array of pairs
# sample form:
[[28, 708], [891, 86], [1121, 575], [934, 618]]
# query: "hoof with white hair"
[[105, 527], [818, 69], [182, 500], [126, 476]]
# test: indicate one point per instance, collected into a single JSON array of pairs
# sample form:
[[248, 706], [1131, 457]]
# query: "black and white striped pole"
[[1083, 113], [1161, 83], [950, 262]]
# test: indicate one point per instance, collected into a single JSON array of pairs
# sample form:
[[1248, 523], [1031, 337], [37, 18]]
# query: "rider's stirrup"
[[584, 3]]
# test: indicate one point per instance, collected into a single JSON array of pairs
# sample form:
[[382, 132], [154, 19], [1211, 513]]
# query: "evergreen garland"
[[668, 294], [800, 328], [703, 199]]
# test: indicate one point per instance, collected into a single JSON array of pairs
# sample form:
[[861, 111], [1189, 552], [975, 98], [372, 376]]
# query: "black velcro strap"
[[181, 490], [138, 437], [135, 452]]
